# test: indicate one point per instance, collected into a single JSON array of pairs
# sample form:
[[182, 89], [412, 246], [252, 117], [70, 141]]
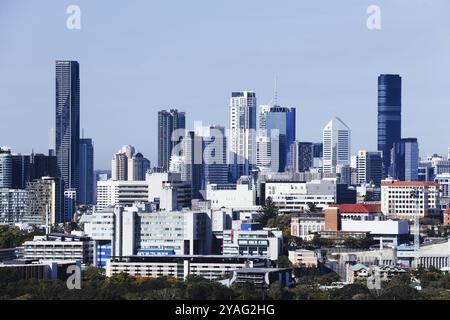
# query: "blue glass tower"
[[405, 160], [86, 190], [389, 115], [283, 120]]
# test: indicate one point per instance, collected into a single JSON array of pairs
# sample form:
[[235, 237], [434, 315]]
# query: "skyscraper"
[[86, 190], [282, 121], [405, 160], [6, 169], [242, 142], [369, 167], [301, 156], [168, 122], [67, 132], [336, 145], [389, 115], [138, 167], [215, 167]]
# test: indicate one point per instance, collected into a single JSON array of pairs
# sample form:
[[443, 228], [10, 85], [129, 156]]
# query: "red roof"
[[408, 183], [358, 208], [447, 211]]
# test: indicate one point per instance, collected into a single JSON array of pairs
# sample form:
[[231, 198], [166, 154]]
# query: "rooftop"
[[357, 208]]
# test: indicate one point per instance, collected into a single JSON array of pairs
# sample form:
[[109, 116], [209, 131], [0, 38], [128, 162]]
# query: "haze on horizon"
[[143, 56]]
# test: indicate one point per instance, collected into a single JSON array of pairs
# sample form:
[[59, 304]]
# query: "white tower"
[[336, 145]]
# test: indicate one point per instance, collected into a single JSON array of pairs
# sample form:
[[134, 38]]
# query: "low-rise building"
[[59, 247], [212, 267], [302, 257], [261, 278], [305, 226], [265, 243]]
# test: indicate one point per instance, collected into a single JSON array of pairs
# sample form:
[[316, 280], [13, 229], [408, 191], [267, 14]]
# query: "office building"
[[137, 230], [58, 247], [369, 168], [261, 278], [45, 202], [262, 243], [211, 267], [215, 166], [86, 190], [267, 153], [302, 156], [242, 143], [336, 145], [138, 167], [398, 200], [280, 123], [13, 206], [288, 196], [305, 226], [235, 196], [444, 181], [405, 160], [170, 123], [192, 167], [68, 123], [389, 115], [6, 169]]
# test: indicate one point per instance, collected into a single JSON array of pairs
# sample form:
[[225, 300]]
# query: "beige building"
[[397, 199], [301, 257]]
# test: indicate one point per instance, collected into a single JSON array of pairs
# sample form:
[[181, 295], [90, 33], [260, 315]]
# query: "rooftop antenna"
[[275, 93]]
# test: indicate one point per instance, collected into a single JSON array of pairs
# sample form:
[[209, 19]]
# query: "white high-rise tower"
[[242, 142], [336, 145]]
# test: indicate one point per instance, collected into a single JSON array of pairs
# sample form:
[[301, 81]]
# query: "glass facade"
[[389, 115]]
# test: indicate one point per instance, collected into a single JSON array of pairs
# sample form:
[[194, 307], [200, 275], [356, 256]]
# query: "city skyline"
[[311, 84]]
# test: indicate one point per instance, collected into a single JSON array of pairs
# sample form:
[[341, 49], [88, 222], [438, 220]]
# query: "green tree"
[[269, 211]]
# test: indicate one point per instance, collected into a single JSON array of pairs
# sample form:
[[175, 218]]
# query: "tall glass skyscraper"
[[86, 190], [389, 115], [168, 122], [67, 128], [282, 119]]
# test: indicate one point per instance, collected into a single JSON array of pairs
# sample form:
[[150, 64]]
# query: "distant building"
[[405, 160], [138, 167], [369, 167], [444, 181], [305, 226], [67, 119], [261, 278], [169, 122], [302, 156], [6, 170], [45, 202], [336, 145], [389, 115], [13, 206], [242, 140], [86, 190]]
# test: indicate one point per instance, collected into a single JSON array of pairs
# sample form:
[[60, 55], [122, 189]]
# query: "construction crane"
[[415, 194]]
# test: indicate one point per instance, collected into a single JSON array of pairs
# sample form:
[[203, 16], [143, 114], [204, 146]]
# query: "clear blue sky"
[[140, 56]]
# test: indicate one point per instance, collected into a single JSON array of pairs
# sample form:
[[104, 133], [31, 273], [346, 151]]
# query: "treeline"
[[95, 286]]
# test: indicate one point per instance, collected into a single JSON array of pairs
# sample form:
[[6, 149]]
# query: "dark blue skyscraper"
[[389, 115], [67, 128], [86, 189], [405, 160], [283, 120]]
